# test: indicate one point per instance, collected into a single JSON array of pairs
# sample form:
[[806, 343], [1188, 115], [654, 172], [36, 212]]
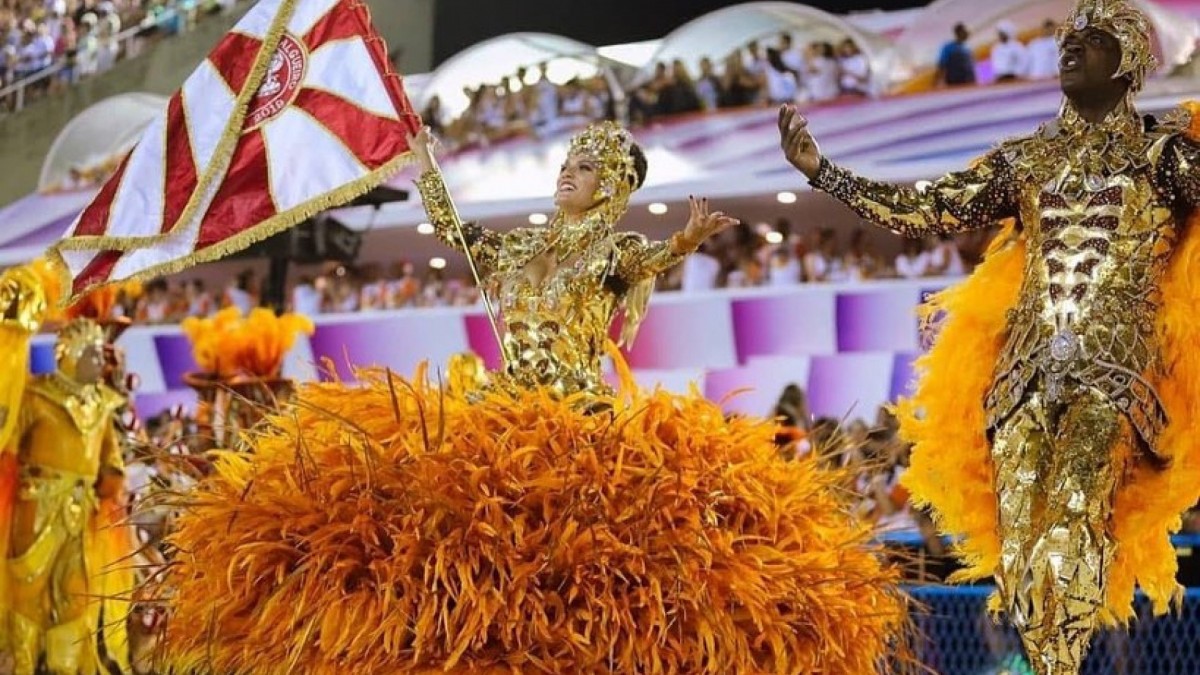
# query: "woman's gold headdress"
[[611, 147], [74, 339], [1124, 22]]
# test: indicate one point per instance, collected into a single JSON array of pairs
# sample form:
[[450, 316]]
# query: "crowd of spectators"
[[746, 256], [75, 39], [1010, 59], [528, 103], [764, 255]]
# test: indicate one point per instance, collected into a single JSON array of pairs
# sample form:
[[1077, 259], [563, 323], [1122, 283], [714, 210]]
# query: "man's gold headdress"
[[1124, 22], [74, 339], [611, 147]]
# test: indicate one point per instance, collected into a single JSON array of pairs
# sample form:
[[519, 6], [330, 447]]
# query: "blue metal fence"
[[959, 638]]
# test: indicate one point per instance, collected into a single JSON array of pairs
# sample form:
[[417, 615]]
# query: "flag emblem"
[[285, 76]]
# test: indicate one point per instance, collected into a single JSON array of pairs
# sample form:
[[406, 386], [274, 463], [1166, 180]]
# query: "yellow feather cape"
[[951, 466], [396, 527]]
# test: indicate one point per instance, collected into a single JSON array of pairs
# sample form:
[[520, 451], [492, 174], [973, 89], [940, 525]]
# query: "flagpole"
[[487, 303]]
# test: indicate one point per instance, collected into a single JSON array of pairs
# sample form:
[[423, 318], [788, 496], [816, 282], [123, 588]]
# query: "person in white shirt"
[[913, 261], [700, 271], [855, 79], [822, 262], [1009, 57], [793, 61], [945, 259], [784, 269], [1043, 54], [822, 81]]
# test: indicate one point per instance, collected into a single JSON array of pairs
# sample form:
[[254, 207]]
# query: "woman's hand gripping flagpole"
[[420, 145]]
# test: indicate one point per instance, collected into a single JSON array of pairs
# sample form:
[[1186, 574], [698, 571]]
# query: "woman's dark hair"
[[639, 164]]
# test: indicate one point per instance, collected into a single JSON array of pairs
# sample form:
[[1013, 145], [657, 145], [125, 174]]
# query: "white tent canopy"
[[1175, 36], [98, 134], [491, 61], [723, 31]]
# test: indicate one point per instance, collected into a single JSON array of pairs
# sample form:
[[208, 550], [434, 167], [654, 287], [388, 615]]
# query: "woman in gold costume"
[[538, 522], [1054, 425], [560, 286], [66, 580]]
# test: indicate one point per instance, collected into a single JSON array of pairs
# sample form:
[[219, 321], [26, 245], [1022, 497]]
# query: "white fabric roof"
[[99, 133], [720, 32], [492, 60]]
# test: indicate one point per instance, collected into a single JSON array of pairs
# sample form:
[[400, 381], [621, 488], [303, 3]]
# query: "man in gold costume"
[[63, 599], [561, 286], [1100, 199]]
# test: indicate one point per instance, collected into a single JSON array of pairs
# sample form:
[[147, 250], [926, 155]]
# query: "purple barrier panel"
[[877, 320], [753, 389], [41, 358], [685, 332], [904, 374], [482, 339], [400, 342], [800, 322], [175, 358], [152, 405], [848, 386]]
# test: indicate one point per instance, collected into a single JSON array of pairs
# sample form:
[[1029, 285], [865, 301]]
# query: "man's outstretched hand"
[[799, 147]]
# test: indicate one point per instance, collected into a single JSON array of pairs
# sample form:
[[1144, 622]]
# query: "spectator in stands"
[[709, 88], [747, 274], [66, 51], [197, 299], [9, 58], [306, 299], [577, 107], [679, 94], [544, 111], [155, 305], [793, 60], [956, 64], [822, 79], [1043, 53], [945, 258], [643, 100], [242, 292], [821, 263], [792, 407], [344, 296], [781, 83], [740, 86], [433, 291], [108, 27], [87, 48], [784, 269], [602, 97], [854, 69], [913, 261], [404, 287], [372, 295], [860, 262], [1009, 57]]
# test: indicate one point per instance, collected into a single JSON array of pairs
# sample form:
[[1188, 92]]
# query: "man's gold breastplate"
[[556, 321], [1097, 247]]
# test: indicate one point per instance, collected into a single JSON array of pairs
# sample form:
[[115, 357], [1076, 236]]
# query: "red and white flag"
[[295, 111]]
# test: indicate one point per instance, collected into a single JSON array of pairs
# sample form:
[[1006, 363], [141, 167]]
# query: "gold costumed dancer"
[[534, 519], [1054, 421], [67, 575]]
